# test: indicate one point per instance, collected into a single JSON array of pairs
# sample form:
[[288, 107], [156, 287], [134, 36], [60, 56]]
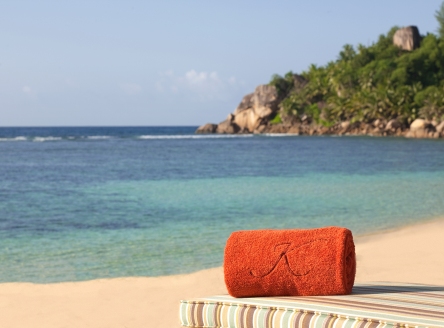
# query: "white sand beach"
[[410, 254]]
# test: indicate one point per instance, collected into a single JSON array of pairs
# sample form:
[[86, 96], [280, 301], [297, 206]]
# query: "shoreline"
[[411, 253], [434, 219], [356, 237]]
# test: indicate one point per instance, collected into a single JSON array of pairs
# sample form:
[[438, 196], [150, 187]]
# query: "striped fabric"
[[369, 306]]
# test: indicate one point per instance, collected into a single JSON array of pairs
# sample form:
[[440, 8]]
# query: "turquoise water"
[[86, 203]]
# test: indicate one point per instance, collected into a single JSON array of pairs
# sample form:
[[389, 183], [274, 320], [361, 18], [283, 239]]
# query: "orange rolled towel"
[[290, 262]]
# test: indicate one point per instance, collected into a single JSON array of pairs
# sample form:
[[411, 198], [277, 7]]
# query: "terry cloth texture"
[[290, 262], [369, 306]]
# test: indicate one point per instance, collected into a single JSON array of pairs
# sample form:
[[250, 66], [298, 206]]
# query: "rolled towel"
[[290, 262]]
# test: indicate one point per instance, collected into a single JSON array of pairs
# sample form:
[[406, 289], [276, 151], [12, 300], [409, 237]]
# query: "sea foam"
[[206, 136], [20, 138], [42, 139]]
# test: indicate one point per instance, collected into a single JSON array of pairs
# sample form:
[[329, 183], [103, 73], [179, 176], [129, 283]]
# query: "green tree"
[[439, 15], [379, 81]]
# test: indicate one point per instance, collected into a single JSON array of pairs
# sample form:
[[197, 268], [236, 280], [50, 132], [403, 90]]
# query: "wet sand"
[[410, 254]]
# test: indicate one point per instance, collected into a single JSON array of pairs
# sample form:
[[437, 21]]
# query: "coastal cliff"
[[394, 87]]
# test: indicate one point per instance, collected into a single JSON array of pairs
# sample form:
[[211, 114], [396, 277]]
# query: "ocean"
[[81, 203]]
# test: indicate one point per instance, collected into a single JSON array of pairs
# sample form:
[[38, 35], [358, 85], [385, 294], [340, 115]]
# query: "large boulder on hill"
[[247, 119], [246, 103], [407, 38], [207, 128], [256, 107], [265, 100]]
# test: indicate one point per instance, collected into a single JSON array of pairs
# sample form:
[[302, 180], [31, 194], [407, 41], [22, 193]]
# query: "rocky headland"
[[292, 105]]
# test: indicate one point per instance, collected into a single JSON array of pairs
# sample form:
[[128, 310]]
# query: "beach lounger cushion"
[[369, 306]]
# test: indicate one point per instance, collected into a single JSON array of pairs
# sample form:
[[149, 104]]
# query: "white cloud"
[[195, 78], [131, 88], [204, 85]]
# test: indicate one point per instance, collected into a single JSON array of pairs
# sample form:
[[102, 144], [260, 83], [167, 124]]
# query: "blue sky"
[[83, 63]]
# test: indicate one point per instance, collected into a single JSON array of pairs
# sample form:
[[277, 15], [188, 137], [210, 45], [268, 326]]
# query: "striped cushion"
[[369, 306]]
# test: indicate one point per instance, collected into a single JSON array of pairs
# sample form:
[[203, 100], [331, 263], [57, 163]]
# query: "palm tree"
[[439, 15]]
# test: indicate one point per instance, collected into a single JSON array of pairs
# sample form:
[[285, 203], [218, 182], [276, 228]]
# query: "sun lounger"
[[369, 306]]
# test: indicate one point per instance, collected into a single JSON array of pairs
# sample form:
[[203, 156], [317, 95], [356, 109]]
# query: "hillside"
[[393, 87]]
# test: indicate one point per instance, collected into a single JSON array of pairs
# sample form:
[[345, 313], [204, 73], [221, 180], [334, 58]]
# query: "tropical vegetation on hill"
[[380, 81]]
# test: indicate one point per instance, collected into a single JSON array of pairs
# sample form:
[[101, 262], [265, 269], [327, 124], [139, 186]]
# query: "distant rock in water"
[[207, 128], [407, 38], [254, 110], [421, 128], [227, 127], [440, 128], [418, 124]]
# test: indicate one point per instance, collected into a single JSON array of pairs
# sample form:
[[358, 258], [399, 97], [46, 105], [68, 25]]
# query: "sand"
[[410, 254]]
